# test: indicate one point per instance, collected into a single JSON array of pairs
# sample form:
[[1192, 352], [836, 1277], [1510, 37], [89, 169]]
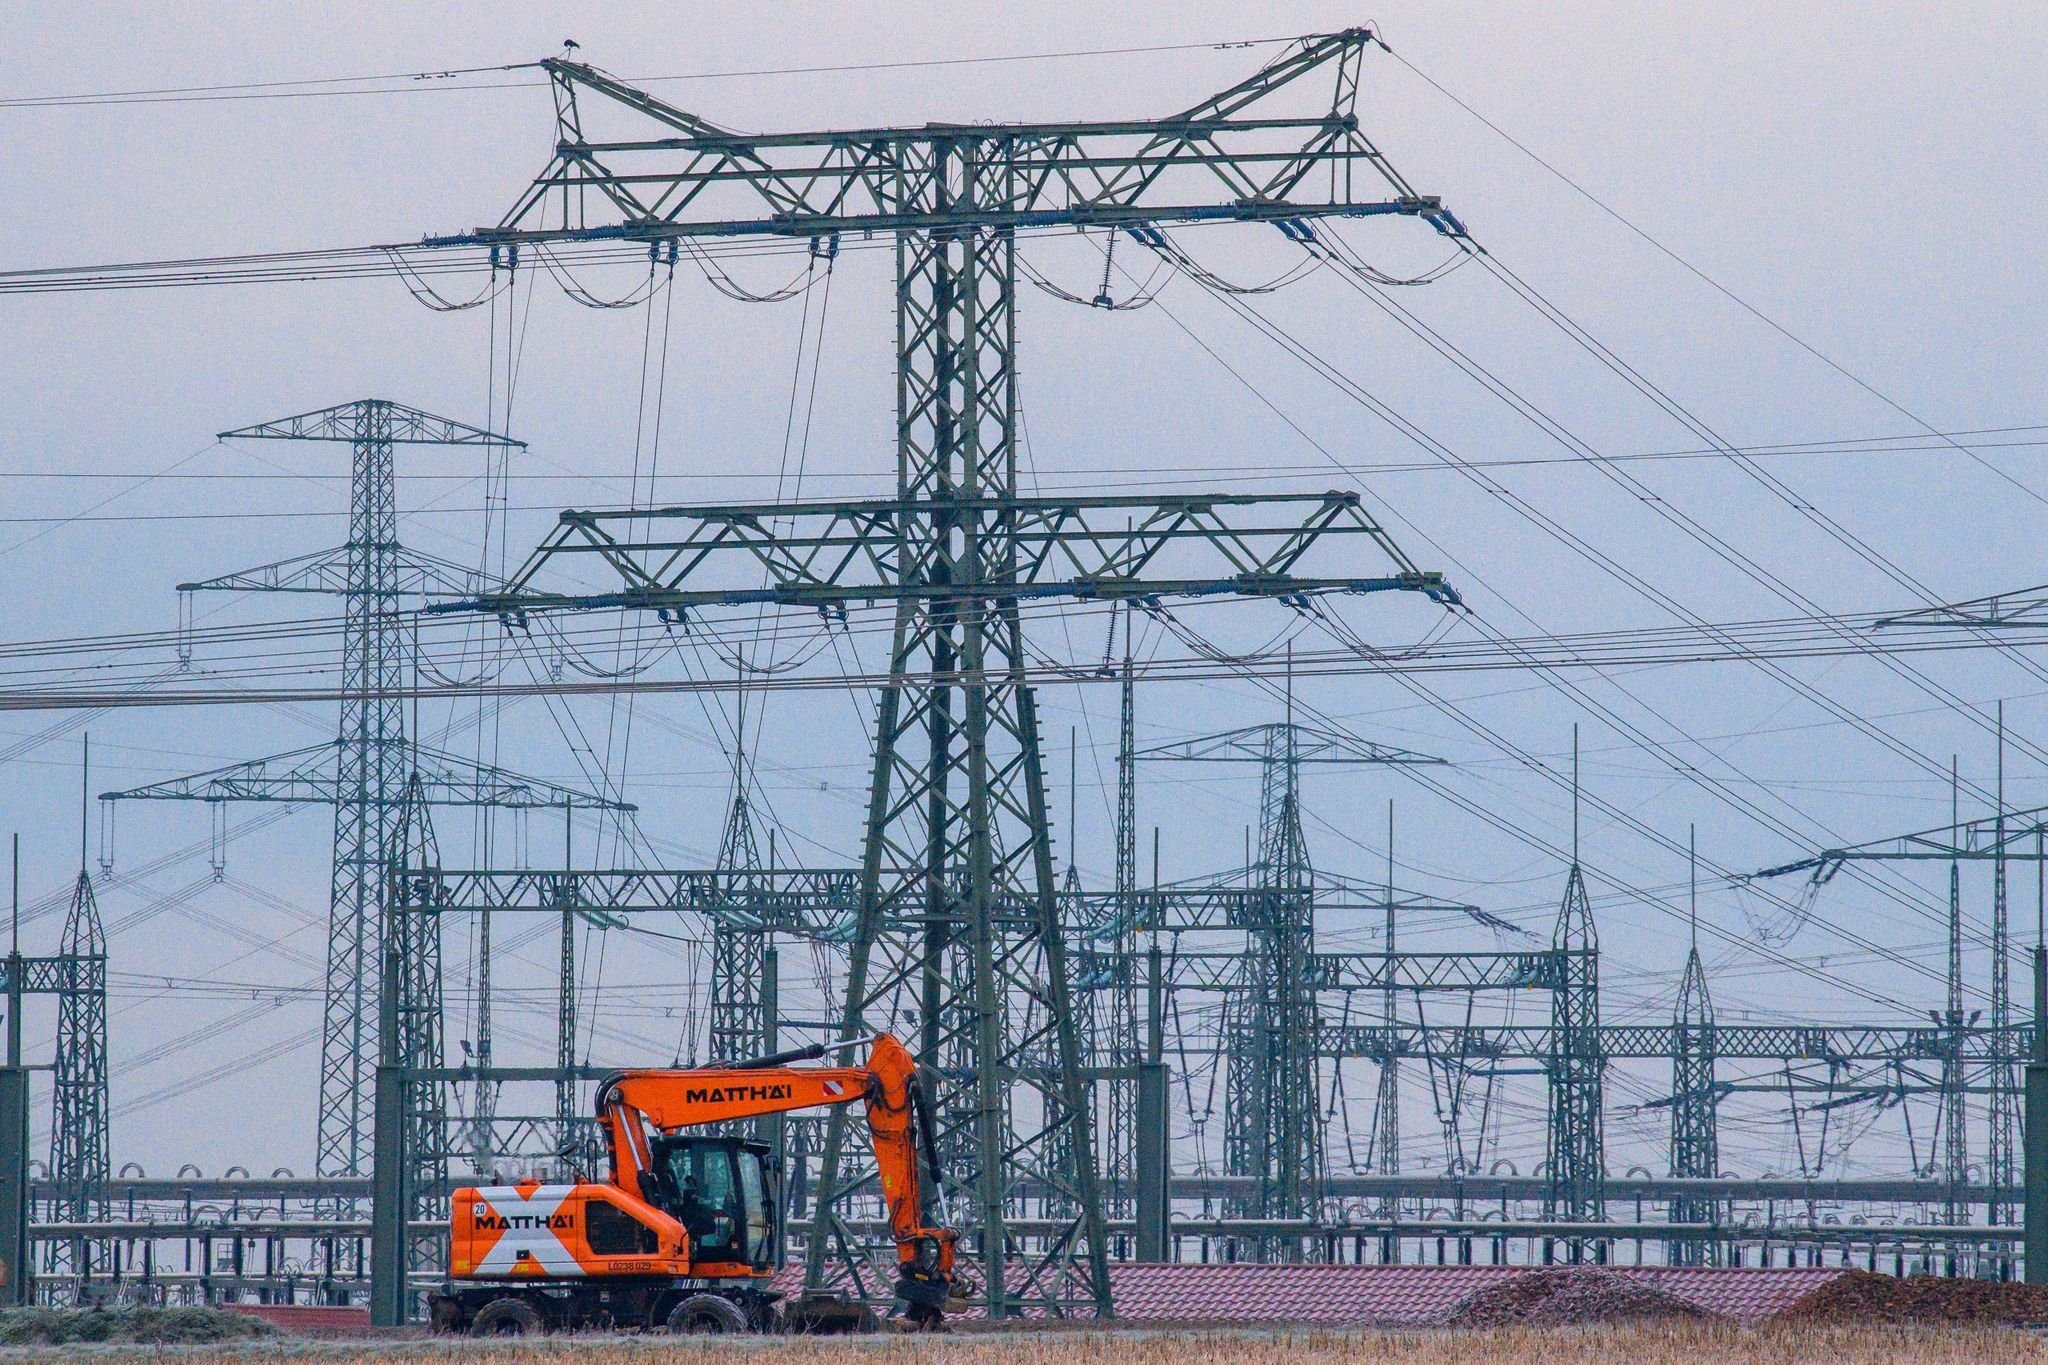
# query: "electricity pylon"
[[364, 774], [957, 822], [2005, 836]]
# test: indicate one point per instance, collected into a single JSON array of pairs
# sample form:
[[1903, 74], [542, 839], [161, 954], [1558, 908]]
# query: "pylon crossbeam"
[[822, 553]]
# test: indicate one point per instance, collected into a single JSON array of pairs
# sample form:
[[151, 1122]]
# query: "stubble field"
[[1661, 1344]]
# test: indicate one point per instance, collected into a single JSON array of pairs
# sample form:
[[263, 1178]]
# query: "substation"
[[1178, 1064]]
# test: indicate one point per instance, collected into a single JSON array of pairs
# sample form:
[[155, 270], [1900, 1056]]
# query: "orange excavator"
[[687, 1232]]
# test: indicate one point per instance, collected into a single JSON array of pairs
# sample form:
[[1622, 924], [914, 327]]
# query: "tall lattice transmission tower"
[[365, 773], [958, 936]]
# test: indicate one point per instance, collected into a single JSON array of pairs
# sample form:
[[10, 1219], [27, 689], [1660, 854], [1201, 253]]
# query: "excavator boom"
[[670, 1101]]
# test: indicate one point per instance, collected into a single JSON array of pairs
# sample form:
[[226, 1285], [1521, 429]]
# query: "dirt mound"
[[1569, 1294], [1857, 1296], [148, 1326]]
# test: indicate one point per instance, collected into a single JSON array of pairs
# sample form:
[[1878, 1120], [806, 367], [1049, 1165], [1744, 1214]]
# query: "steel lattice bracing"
[[1116, 1008], [1819, 1043], [2001, 1163], [1386, 1136], [1273, 1130], [419, 1022], [1577, 1155], [958, 926], [1695, 1106], [2000, 838], [957, 812], [2003, 1138], [79, 1160], [369, 786], [739, 949]]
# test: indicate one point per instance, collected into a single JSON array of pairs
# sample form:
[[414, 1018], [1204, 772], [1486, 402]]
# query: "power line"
[[1831, 446], [442, 82]]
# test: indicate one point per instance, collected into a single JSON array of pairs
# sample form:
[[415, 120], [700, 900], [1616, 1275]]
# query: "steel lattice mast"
[[739, 945], [2004, 1110], [1577, 1155], [1126, 1050], [371, 753], [1272, 1127], [1387, 1108], [364, 774], [1695, 1102], [1577, 1143], [957, 825], [417, 938], [2004, 837], [79, 1160]]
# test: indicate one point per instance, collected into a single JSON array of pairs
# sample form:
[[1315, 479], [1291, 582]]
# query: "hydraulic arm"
[[630, 1102]]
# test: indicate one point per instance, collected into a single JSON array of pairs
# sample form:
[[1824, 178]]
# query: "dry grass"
[[1674, 1344]]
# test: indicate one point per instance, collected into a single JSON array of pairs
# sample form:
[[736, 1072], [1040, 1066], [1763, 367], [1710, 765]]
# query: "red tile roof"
[[1393, 1295], [307, 1317], [1321, 1295], [1364, 1295]]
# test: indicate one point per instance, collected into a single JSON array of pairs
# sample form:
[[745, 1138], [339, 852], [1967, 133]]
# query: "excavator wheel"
[[707, 1315], [507, 1317]]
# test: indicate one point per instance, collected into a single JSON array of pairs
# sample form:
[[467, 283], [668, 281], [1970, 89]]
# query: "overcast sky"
[[1869, 178]]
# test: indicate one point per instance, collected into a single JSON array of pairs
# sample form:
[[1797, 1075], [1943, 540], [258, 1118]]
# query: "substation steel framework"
[[2002, 838], [372, 769], [957, 817], [80, 1128], [1273, 1129]]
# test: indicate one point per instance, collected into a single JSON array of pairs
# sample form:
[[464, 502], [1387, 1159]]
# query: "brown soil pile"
[[1567, 1295], [1857, 1296]]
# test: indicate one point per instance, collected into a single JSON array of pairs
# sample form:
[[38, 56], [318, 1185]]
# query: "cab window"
[[703, 1196], [754, 1201], [720, 1194]]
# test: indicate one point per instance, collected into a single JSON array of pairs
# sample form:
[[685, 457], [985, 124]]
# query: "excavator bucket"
[[826, 1314]]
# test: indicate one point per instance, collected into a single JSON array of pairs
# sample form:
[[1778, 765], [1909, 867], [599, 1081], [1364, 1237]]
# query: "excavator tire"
[[707, 1315], [507, 1317]]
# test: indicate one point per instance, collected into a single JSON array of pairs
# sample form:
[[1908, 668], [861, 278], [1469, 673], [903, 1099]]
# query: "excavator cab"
[[724, 1191]]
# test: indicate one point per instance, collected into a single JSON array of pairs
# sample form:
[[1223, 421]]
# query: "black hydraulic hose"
[[921, 1106], [795, 1054]]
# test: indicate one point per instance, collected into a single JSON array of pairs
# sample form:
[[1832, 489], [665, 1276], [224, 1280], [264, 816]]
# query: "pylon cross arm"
[[828, 553], [672, 174]]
